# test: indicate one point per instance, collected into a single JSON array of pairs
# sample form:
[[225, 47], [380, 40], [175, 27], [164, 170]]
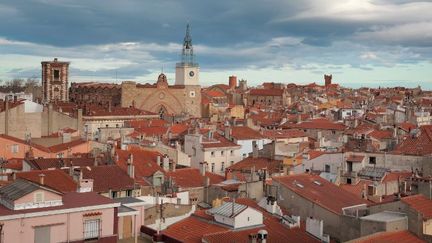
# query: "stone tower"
[[55, 81], [187, 70], [327, 79]]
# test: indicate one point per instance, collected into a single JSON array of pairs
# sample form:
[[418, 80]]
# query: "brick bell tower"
[[55, 81]]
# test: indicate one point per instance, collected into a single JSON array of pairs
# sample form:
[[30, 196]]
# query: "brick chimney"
[[130, 167], [232, 82], [42, 179]]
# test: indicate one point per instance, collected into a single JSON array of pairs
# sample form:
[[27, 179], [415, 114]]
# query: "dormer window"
[[39, 197]]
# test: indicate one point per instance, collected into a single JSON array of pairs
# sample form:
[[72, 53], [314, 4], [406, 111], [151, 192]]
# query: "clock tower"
[[187, 70]]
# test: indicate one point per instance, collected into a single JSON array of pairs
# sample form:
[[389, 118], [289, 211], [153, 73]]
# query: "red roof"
[[355, 158], [214, 93], [106, 177], [217, 142], [406, 126], [145, 162], [146, 123], [177, 129], [54, 179], [394, 236], [396, 175], [417, 145], [70, 200], [319, 124], [266, 92], [191, 177], [356, 189], [272, 166], [421, 204], [191, 230], [290, 133], [320, 191], [245, 133], [377, 134], [315, 153], [13, 164]]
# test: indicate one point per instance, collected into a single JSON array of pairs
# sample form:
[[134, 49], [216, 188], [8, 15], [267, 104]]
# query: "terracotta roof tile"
[[273, 166], [245, 133], [417, 145], [191, 177], [106, 177], [54, 179], [378, 134], [326, 194], [421, 204], [266, 92], [355, 158], [385, 237], [145, 162]]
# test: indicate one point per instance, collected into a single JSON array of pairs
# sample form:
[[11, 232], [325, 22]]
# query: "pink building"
[[31, 212], [13, 147]]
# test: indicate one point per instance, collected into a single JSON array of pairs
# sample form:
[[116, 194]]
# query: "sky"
[[360, 42]]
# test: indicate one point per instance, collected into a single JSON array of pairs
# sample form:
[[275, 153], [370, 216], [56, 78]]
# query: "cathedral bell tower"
[[187, 71]]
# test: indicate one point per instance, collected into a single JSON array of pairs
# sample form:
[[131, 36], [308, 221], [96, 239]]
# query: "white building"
[[247, 138], [236, 215], [217, 151]]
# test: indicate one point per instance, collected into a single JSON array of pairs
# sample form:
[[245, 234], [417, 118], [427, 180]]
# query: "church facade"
[[181, 99]]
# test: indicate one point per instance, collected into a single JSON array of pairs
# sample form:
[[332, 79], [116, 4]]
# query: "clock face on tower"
[[191, 73]]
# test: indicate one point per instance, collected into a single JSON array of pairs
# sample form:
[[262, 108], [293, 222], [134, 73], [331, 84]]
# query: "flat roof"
[[386, 216]]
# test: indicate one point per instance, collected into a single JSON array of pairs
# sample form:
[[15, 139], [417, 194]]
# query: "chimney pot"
[[42, 179]]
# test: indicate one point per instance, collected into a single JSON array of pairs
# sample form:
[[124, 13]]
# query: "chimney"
[[165, 162], [6, 115], [42, 179], [299, 118], [203, 168], [71, 169], [228, 132], [109, 107], [254, 149], [232, 82], [253, 238], [130, 167], [79, 121], [158, 160]]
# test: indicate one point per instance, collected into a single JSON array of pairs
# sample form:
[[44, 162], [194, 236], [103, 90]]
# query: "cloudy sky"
[[360, 42]]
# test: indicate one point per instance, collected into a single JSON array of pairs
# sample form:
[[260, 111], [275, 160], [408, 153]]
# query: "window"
[[222, 153], [327, 168], [333, 132], [106, 125], [15, 148], [212, 153], [113, 194], [372, 160], [244, 155], [117, 125], [212, 167], [38, 197], [232, 152], [91, 229], [232, 162], [222, 166], [60, 155], [129, 193], [56, 75]]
